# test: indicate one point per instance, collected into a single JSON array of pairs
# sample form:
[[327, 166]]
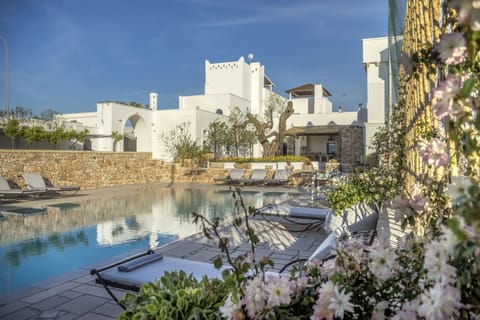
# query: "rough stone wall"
[[352, 145], [92, 170]]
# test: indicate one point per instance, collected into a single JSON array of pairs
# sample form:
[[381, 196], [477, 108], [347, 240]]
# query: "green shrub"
[[265, 159], [176, 295], [376, 185]]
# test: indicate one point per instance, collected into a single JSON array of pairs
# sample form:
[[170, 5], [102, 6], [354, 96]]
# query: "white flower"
[[437, 254], [445, 94], [301, 282], [452, 48], [383, 261], [440, 302], [341, 303], [278, 290], [329, 267], [230, 309], [449, 240], [434, 152], [457, 190], [255, 296]]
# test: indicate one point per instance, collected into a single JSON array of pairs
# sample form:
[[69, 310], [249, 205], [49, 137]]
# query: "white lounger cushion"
[[296, 212], [332, 222], [326, 248], [154, 270], [360, 217]]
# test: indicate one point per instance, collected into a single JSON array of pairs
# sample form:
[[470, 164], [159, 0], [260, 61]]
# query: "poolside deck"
[[77, 296]]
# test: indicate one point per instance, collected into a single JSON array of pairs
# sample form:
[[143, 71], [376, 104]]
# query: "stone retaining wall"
[[92, 170]]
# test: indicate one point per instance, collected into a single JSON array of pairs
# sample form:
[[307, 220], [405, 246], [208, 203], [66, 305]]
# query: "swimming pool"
[[69, 236]]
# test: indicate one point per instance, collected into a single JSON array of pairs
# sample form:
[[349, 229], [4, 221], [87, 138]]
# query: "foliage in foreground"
[[176, 295]]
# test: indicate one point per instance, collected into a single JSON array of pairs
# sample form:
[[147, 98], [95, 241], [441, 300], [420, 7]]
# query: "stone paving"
[[77, 296]]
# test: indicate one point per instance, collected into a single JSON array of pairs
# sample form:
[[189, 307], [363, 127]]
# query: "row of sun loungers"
[[258, 176], [35, 185]]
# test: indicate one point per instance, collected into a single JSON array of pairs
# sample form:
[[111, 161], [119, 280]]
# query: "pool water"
[[36, 247]]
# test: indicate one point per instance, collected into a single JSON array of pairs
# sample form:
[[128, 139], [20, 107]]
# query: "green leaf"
[[218, 263], [467, 88]]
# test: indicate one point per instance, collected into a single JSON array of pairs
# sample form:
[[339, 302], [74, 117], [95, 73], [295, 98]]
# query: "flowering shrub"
[[434, 275]]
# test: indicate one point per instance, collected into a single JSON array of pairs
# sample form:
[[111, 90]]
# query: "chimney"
[[153, 101]]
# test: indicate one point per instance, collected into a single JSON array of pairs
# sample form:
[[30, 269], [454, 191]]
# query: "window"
[[331, 148]]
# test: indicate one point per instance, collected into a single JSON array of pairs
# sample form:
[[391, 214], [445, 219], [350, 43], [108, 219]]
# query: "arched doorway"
[[129, 139], [136, 134]]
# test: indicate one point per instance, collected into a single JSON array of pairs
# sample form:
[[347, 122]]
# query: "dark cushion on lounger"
[[139, 262]]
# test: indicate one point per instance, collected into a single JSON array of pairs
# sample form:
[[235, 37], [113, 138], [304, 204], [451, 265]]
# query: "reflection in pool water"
[[37, 247]]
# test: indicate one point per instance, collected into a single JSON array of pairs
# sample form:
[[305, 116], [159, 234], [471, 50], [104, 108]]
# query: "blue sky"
[[67, 55]]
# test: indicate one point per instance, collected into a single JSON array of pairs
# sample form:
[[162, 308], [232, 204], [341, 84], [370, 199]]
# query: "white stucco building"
[[317, 130]]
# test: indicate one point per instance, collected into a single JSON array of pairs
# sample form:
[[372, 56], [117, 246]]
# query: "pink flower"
[[434, 152], [446, 93], [452, 48]]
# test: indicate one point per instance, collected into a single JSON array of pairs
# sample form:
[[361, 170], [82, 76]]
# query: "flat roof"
[[313, 130], [306, 90]]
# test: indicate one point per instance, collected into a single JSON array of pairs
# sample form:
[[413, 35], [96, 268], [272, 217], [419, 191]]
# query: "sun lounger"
[[34, 181], [234, 177], [133, 272], [285, 210], [258, 176], [8, 193], [312, 217], [281, 176], [359, 227]]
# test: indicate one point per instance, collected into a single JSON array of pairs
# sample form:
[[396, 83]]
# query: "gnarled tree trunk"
[[270, 147]]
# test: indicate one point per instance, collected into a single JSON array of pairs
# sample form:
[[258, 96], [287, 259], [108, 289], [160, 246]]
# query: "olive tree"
[[269, 137], [217, 133], [33, 134], [12, 130], [239, 135]]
